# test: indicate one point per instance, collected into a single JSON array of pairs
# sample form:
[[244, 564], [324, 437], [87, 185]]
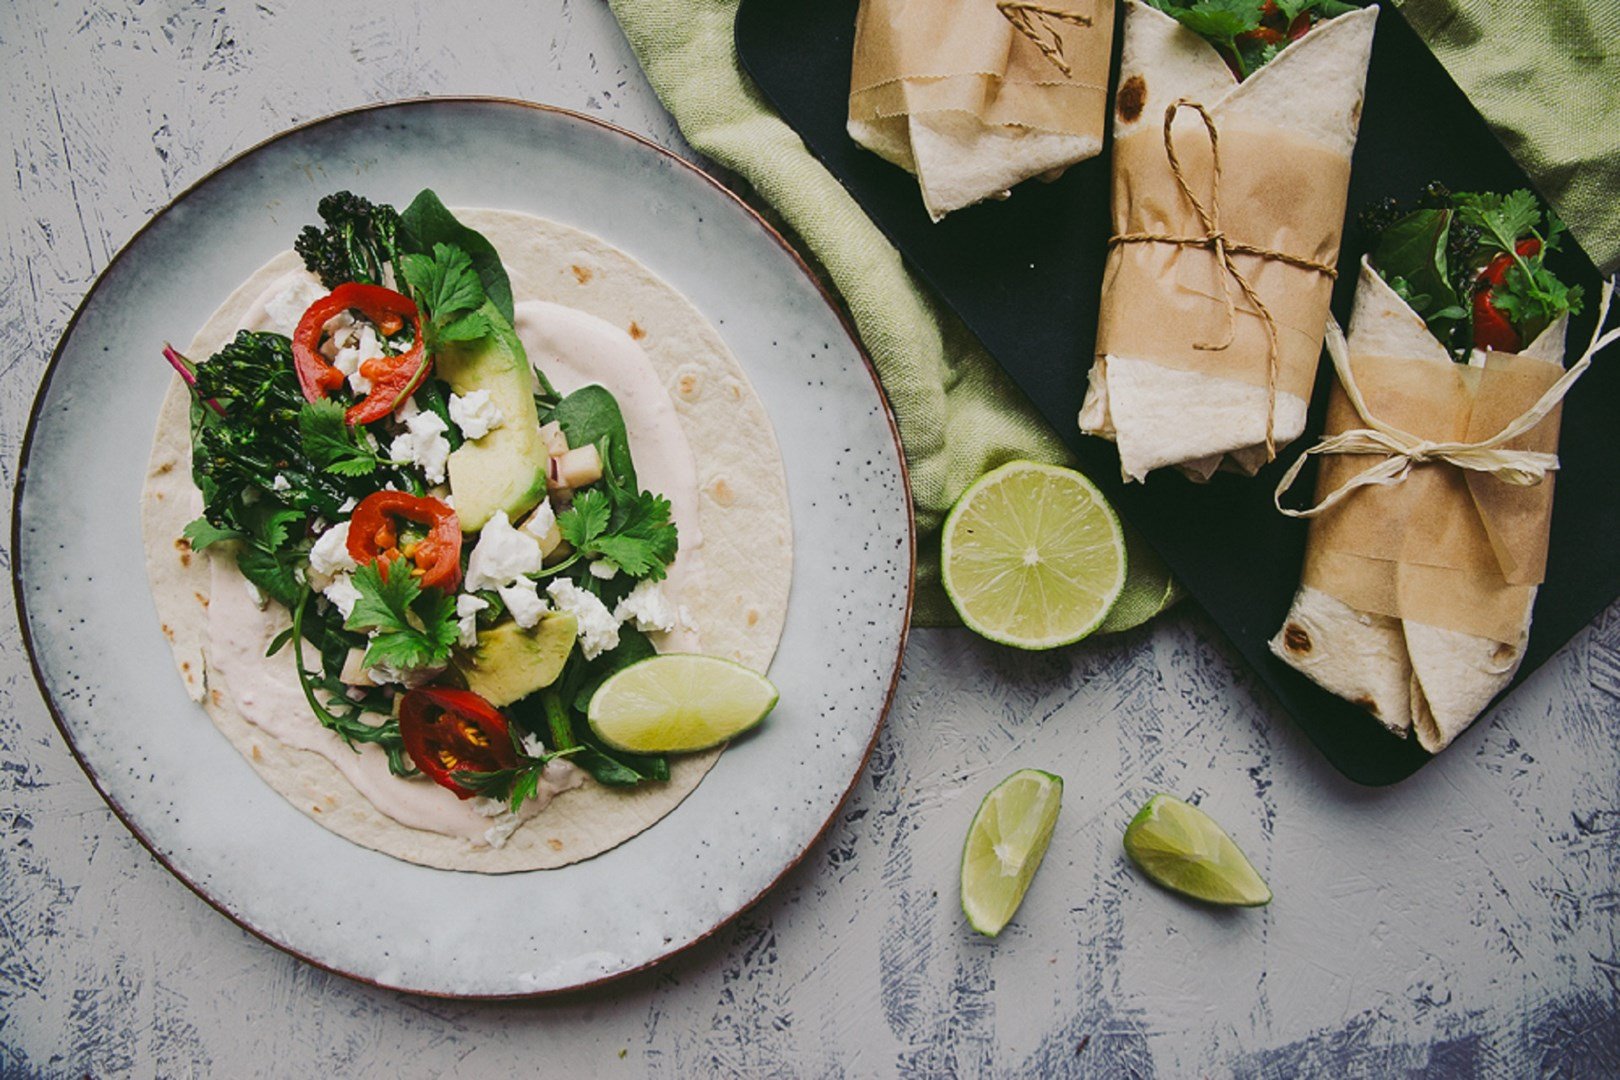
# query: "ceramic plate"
[[108, 677]]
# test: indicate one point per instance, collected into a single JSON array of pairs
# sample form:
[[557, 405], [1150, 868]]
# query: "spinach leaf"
[[1413, 250], [427, 222], [588, 416]]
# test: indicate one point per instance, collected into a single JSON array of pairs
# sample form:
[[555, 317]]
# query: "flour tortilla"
[[1162, 416], [743, 516], [1409, 675]]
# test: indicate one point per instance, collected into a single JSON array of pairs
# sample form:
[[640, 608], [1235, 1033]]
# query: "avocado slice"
[[511, 663], [506, 469]]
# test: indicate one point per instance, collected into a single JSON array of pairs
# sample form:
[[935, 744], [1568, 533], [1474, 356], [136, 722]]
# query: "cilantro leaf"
[[273, 572], [586, 520], [643, 539], [444, 282], [202, 533], [1502, 218], [331, 444], [388, 601], [467, 328]]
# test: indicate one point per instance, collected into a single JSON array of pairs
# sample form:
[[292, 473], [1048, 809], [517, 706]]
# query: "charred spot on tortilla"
[[721, 492], [582, 274], [636, 332], [554, 844], [1296, 639], [201, 599], [1132, 96], [687, 385]]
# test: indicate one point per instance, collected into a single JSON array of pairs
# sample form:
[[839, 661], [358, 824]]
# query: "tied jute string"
[[1216, 241], [1402, 450], [1023, 16]]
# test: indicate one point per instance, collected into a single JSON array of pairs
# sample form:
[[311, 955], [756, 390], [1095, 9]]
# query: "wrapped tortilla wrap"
[[974, 96], [1188, 372], [1416, 595]]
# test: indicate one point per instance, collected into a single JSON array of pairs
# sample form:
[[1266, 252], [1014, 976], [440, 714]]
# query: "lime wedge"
[[1033, 556], [678, 702], [1181, 848], [1005, 845]]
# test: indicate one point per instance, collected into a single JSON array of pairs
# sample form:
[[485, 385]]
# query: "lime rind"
[[1005, 844], [1181, 848], [1069, 574], [678, 703]]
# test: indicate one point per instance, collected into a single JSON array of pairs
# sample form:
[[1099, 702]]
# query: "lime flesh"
[[1180, 847], [677, 703], [1033, 556], [1005, 845]]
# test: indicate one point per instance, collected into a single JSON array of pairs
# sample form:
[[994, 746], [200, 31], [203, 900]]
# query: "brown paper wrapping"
[[1279, 192], [924, 56], [1445, 547]]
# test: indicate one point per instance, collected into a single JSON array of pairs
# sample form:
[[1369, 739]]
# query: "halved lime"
[[1182, 848], [1005, 845], [678, 702], [1033, 556]]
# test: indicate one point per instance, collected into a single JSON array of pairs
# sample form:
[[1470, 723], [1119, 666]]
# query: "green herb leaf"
[[386, 606], [201, 534], [331, 444], [467, 328], [426, 222], [586, 519], [444, 282]]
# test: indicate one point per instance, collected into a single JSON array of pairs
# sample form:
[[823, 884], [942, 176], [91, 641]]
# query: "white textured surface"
[[1462, 922]]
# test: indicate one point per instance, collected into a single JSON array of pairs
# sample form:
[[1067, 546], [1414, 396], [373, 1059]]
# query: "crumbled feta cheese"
[[502, 556], [598, 629], [603, 569], [647, 607], [406, 677], [487, 807], [499, 833], [280, 483], [342, 593], [340, 334], [467, 608], [288, 306], [422, 443], [330, 555], [533, 746], [540, 521], [523, 600], [475, 413], [349, 504], [256, 594]]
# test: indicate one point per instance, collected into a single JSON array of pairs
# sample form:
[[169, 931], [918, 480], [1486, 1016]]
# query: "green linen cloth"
[[958, 413], [1546, 75]]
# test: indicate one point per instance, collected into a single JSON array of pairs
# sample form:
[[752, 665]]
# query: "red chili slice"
[[373, 535], [1492, 329], [447, 731], [393, 378]]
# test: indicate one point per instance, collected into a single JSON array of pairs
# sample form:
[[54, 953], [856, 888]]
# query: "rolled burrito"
[[1190, 371], [1416, 595], [975, 96]]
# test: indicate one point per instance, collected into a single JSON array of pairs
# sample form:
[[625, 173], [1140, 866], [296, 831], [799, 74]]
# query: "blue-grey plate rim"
[[120, 812]]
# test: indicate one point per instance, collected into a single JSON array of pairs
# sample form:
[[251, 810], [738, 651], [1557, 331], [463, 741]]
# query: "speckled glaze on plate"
[[106, 672]]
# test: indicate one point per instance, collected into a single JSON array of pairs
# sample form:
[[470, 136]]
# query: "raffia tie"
[[1402, 450], [1045, 36], [1216, 241]]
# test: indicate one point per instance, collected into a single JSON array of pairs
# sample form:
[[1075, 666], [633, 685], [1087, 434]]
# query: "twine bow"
[[1216, 241], [1022, 15], [1402, 450]]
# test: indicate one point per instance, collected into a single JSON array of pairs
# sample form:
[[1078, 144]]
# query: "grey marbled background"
[[1464, 922]]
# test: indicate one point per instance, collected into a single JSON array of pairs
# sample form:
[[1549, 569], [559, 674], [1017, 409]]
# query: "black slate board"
[[1024, 275]]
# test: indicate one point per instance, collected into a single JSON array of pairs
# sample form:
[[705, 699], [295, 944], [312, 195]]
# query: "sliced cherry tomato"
[[393, 378], [373, 535], [1300, 26], [447, 731]]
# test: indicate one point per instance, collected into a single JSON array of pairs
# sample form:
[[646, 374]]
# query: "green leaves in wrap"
[[1250, 33]]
